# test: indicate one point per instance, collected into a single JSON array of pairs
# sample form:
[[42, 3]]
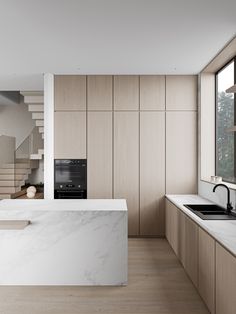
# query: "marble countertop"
[[65, 205], [224, 231]]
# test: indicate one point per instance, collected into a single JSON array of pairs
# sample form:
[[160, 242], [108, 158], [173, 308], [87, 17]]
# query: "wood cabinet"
[[136, 149], [99, 141], [209, 265], [152, 92], [181, 92], [172, 226], [126, 164], [70, 135], [126, 92], [191, 250], [152, 173], [206, 269], [225, 281], [182, 234], [69, 92], [99, 92], [181, 152]]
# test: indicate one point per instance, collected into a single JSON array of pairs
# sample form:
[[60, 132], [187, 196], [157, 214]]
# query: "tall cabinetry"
[[138, 135], [70, 117], [152, 155], [181, 134], [99, 136]]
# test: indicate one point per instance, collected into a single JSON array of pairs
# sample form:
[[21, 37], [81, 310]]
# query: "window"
[[225, 121]]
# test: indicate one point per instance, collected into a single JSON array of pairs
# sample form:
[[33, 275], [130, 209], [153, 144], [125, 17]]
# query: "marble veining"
[[70, 247], [224, 231]]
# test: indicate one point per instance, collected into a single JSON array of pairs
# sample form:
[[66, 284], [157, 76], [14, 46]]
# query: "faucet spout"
[[229, 204]]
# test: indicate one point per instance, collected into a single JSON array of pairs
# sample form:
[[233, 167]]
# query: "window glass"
[[225, 121]]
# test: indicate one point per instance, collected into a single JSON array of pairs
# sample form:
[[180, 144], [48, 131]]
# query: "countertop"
[[223, 231], [65, 205]]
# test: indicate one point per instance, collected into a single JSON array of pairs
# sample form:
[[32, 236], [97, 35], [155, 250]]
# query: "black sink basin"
[[211, 212]]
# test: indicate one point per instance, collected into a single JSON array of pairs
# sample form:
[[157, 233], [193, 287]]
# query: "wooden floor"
[[38, 195], [157, 284]]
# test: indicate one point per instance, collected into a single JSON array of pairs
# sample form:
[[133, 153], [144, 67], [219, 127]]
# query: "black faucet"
[[229, 204]]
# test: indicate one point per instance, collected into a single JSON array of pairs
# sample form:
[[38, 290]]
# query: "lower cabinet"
[[172, 229], [206, 269], [182, 234], [210, 266], [191, 249], [225, 281]]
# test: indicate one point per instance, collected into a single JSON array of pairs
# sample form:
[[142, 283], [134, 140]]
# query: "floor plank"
[[157, 284]]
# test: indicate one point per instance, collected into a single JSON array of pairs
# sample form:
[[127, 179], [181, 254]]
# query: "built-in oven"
[[70, 178]]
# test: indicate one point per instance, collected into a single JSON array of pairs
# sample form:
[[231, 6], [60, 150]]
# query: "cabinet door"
[[191, 250], [152, 92], [168, 220], [181, 92], [126, 92], [173, 216], [152, 173], [181, 152], [99, 92], [70, 92], [206, 269], [225, 281], [99, 139], [70, 135], [126, 164]]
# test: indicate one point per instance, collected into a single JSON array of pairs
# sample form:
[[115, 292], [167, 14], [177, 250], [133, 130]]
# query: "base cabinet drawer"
[[225, 281]]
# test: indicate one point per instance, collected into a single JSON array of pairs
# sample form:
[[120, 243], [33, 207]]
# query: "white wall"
[[219, 197], [48, 136], [16, 121], [37, 175], [7, 149]]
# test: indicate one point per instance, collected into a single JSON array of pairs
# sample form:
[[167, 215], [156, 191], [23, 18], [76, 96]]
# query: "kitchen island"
[[67, 242]]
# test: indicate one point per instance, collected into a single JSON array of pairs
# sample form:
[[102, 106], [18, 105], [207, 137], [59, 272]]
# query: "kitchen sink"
[[211, 212]]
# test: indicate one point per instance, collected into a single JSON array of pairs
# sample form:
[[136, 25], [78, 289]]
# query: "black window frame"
[[216, 107]]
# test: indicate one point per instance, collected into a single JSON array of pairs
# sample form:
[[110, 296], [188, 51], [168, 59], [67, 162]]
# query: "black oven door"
[[70, 174]]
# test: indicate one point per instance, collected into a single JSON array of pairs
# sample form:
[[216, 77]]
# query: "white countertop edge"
[[223, 231], [64, 204]]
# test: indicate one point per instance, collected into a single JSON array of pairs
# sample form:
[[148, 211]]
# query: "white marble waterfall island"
[[68, 242]]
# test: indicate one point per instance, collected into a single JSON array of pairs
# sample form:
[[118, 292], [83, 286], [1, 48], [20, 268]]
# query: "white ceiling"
[[109, 36]]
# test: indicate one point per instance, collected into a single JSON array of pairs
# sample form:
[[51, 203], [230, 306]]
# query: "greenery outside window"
[[225, 121]]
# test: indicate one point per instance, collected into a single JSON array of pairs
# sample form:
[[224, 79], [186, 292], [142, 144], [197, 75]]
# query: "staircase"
[[35, 101], [12, 178], [14, 174]]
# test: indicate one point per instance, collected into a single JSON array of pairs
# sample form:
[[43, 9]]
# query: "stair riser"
[[9, 189], [33, 99], [37, 116], [35, 108], [15, 171], [12, 183], [36, 157], [16, 166], [39, 122], [8, 177], [5, 196]]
